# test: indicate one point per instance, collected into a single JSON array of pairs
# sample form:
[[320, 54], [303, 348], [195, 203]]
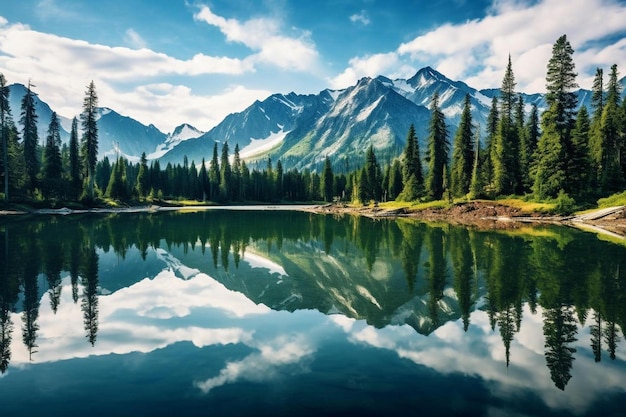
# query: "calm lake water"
[[289, 313]]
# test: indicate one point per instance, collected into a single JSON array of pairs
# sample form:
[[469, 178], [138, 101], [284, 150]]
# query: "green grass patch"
[[618, 199], [526, 206]]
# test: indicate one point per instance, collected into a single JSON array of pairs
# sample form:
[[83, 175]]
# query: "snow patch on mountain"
[[258, 146], [366, 112], [180, 134]]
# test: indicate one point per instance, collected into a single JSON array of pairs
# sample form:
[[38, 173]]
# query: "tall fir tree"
[[52, 169], [413, 177], [579, 165], [89, 143], [528, 147], [236, 175], [554, 145], [30, 138], [506, 159], [5, 122], [214, 175], [142, 183], [225, 174], [395, 181], [437, 151], [493, 120], [327, 180], [610, 175], [75, 181], [463, 153], [203, 177]]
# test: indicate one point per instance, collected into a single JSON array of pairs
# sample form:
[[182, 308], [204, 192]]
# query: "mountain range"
[[301, 130]]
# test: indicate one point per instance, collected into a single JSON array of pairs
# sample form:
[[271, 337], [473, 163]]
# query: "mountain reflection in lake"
[[250, 313]]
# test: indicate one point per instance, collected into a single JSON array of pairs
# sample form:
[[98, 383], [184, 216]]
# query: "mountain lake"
[[282, 313]]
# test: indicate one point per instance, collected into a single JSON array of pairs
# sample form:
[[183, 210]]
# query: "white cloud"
[[361, 17], [3, 21], [27, 54], [266, 365], [263, 35], [134, 40], [368, 66], [476, 51]]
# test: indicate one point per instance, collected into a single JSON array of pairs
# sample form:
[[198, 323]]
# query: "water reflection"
[[432, 278]]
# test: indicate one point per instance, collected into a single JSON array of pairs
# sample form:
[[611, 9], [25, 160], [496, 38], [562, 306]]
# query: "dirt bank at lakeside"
[[490, 215]]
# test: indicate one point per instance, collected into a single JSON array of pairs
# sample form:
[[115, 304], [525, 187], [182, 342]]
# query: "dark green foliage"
[[142, 184], [30, 138], [89, 142], [506, 141], [579, 164], [528, 149], [412, 173], [554, 147], [493, 121], [75, 181], [5, 122], [394, 181], [117, 187], [463, 153], [52, 165], [437, 151], [327, 181], [214, 176], [225, 175]]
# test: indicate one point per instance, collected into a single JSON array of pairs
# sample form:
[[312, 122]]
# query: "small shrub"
[[564, 204]]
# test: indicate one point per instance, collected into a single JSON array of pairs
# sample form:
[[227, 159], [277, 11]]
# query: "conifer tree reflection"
[[436, 273], [52, 266], [31, 299], [596, 331], [560, 331], [463, 271], [9, 289], [89, 303], [410, 250]]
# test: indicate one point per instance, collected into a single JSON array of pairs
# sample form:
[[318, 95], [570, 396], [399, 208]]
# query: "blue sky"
[[175, 61]]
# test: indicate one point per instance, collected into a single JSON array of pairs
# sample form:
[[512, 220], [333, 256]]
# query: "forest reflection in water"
[[386, 272]]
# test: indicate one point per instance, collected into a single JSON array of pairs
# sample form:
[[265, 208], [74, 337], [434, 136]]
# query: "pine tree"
[[117, 186], [394, 184], [610, 173], [142, 183], [203, 177], [89, 144], [74, 161], [493, 120], [528, 147], [579, 165], [214, 175], [52, 164], [225, 174], [557, 122], [279, 180], [463, 153], [30, 138], [505, 163], [437, 151], [412, 174], [236, 174], [5, 122], [327, 180]]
